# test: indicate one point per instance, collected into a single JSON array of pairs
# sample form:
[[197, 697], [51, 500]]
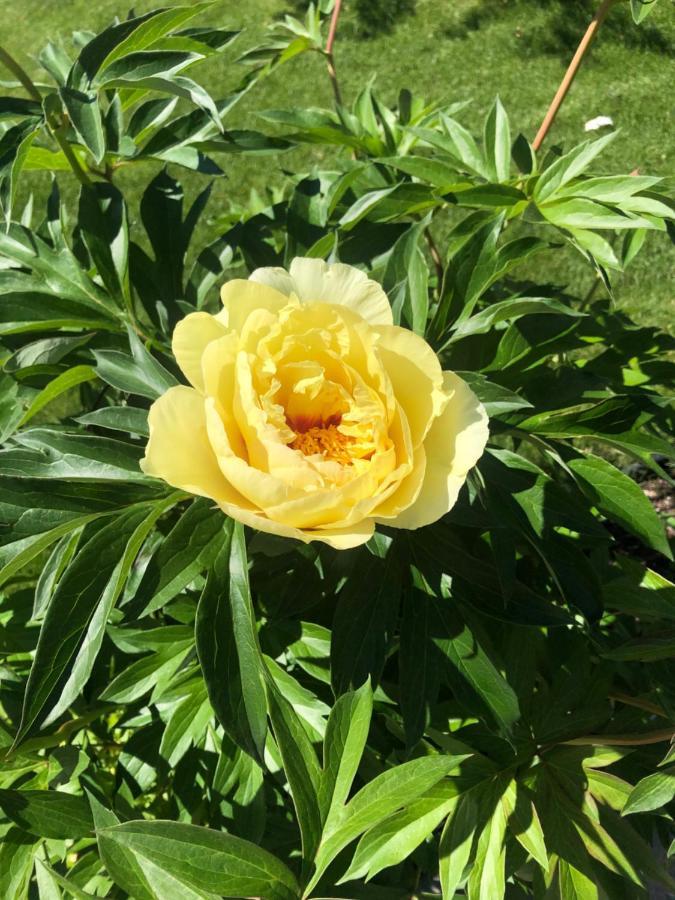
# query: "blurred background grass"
[[464, 49]]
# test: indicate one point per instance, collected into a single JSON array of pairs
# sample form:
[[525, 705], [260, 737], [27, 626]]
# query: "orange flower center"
[[326, 440]]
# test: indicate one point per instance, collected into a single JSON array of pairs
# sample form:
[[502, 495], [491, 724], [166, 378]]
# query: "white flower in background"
[[599, 122]]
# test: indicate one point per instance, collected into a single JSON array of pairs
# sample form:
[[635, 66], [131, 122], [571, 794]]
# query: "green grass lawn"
[[449, 50]]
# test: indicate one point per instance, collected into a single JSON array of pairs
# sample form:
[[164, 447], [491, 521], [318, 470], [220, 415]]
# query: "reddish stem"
[[571, 72], [332, 31], [330, 60]]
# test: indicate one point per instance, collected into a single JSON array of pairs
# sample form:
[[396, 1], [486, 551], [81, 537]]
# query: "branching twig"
[[330, 60], [566, 83]]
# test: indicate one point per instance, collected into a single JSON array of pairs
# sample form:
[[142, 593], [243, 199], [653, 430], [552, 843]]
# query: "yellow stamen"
[[327, 441]]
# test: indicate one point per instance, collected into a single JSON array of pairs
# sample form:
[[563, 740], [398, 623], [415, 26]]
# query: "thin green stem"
[[56, 127], [58, 130], [21, 75]]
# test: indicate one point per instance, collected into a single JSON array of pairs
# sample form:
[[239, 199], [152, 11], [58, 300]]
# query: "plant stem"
[[638, 702], [623, 740], [435, 256], [572, 70], [330, 60], [57, 128], [21, 74], [58, 131]]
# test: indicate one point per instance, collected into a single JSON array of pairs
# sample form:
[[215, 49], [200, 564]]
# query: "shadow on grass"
[[566, 22], [373, 17]]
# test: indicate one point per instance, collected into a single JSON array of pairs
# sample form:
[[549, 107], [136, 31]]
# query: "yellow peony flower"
[[310, 414]]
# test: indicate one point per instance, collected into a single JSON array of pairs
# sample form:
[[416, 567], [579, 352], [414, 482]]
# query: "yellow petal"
[[260, 488], [338, 538], [275, 277], [454, 444], [178, 450], [416, 377], [191, 337], [240, 298], [315, 281]]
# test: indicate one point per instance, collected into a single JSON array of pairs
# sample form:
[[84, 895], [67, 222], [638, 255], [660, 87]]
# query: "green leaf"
[[151, 673], [523, 821], [419, 669], [580, 213], [17, 850], [15, 145], [363, 206], [47, 454], [362, 631], [497, 140], [652, 792], [569, 166], [392, 790], [194, 862], [301, 767], [619, 498], [45, 352], [496, 399], [150, 29], [395, 839], [75, 600], [179, 86], [59, 385], [15, 555], [441, 174], [490, 196], [93, 636], [139, 374], [53, 569], [508, 310], [129, 419], [84, 113], [343, 746], [43, 871], [50, 814], [469, 660], [227, 644], [641, 9], [102, 220], [649, 648], [573, 884], [456, 843], [187, 550], [133, 67], [187, 723], [488, 877], [57, 271]]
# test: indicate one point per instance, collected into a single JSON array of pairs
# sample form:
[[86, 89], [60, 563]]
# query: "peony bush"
[[328, 564]]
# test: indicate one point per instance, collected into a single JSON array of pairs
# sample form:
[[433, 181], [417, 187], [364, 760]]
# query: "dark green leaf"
[[50, 814], [193, 862], [227, 644]]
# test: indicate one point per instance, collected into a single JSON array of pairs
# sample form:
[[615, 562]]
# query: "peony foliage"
[[281, 616]]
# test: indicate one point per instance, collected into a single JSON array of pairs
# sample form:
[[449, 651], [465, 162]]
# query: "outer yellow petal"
[[274, 277], [416, 376], [338, 538], [454, 444], [179, 451], [240, 298], [313, 280], [191, 337]]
